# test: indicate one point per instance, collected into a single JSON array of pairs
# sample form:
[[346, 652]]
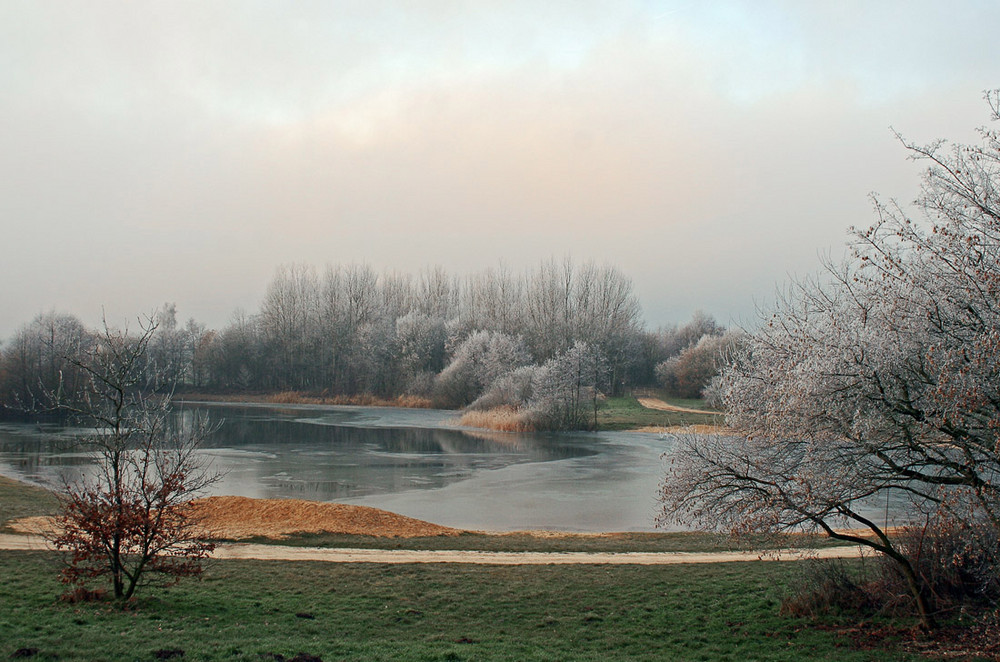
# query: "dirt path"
[[660, 405], [239, 517], [341, 555]]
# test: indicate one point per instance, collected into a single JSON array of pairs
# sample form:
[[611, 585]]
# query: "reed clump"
[[503, 419]]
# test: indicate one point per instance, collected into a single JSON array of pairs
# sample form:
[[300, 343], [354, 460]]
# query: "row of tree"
[[353, 330]]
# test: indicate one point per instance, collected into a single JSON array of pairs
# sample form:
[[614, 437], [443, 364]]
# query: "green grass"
[[619, 542], [689, 403], [250, 610], [19, 499], [626, 413], [519, 542]]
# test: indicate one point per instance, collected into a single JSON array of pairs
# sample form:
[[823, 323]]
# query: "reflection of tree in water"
[[313, 460], [44, 457], [248, 429], [293, 455]]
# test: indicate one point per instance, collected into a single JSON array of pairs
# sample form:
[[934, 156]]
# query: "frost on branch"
[[879, 380]]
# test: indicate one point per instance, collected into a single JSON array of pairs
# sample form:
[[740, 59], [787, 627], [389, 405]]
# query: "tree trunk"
[[927, 621]]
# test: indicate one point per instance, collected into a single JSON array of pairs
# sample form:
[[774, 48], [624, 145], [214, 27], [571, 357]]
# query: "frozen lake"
[[410, 461]]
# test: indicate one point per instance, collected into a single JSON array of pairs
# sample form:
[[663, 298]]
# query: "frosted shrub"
[[478, 362], [512, 389]]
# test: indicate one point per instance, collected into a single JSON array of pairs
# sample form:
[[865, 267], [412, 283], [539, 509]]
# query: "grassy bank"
[[247, 610], [623, 413], [626, 413], [19, 499], [541, 542]]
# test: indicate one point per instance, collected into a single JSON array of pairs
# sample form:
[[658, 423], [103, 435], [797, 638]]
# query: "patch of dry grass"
[[232, 517], [241, 517], [503, 419]]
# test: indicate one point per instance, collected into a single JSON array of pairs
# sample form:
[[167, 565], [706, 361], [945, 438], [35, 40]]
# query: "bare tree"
[[233, 358], [36, 363], [290, 323], [131, 521]]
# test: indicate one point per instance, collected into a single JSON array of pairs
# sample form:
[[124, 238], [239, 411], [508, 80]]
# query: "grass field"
[[626, 413], [258, 610], [273, 610]]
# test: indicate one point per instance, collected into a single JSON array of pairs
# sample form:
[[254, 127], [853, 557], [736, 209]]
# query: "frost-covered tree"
[[493, 300], [478, 362], [690, 372], [437, 293], [36, 363], [878, 381], [564, 392], [421, 339], [355, 329], [511, 390], [289, 321], [373, 359], [673, 339]]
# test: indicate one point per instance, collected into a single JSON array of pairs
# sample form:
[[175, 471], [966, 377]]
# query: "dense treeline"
[[547, 341]]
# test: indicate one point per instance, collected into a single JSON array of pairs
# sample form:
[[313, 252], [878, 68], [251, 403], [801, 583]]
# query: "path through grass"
[[626, 413]]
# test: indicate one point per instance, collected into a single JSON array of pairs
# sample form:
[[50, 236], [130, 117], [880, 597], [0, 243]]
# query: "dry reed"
[[503, 419]]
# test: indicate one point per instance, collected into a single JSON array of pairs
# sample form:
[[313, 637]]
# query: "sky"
[[156, 152]]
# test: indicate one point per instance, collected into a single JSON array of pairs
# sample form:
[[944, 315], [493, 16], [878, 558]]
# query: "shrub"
[[511, 390], [956, 563], [688, 374], [477, 363], [829, 587]]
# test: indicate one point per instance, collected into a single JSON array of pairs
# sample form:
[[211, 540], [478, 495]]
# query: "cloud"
[[181, 151]]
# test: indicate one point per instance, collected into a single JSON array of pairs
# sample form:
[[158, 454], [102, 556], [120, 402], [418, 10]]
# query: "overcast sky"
[[181, 151]]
